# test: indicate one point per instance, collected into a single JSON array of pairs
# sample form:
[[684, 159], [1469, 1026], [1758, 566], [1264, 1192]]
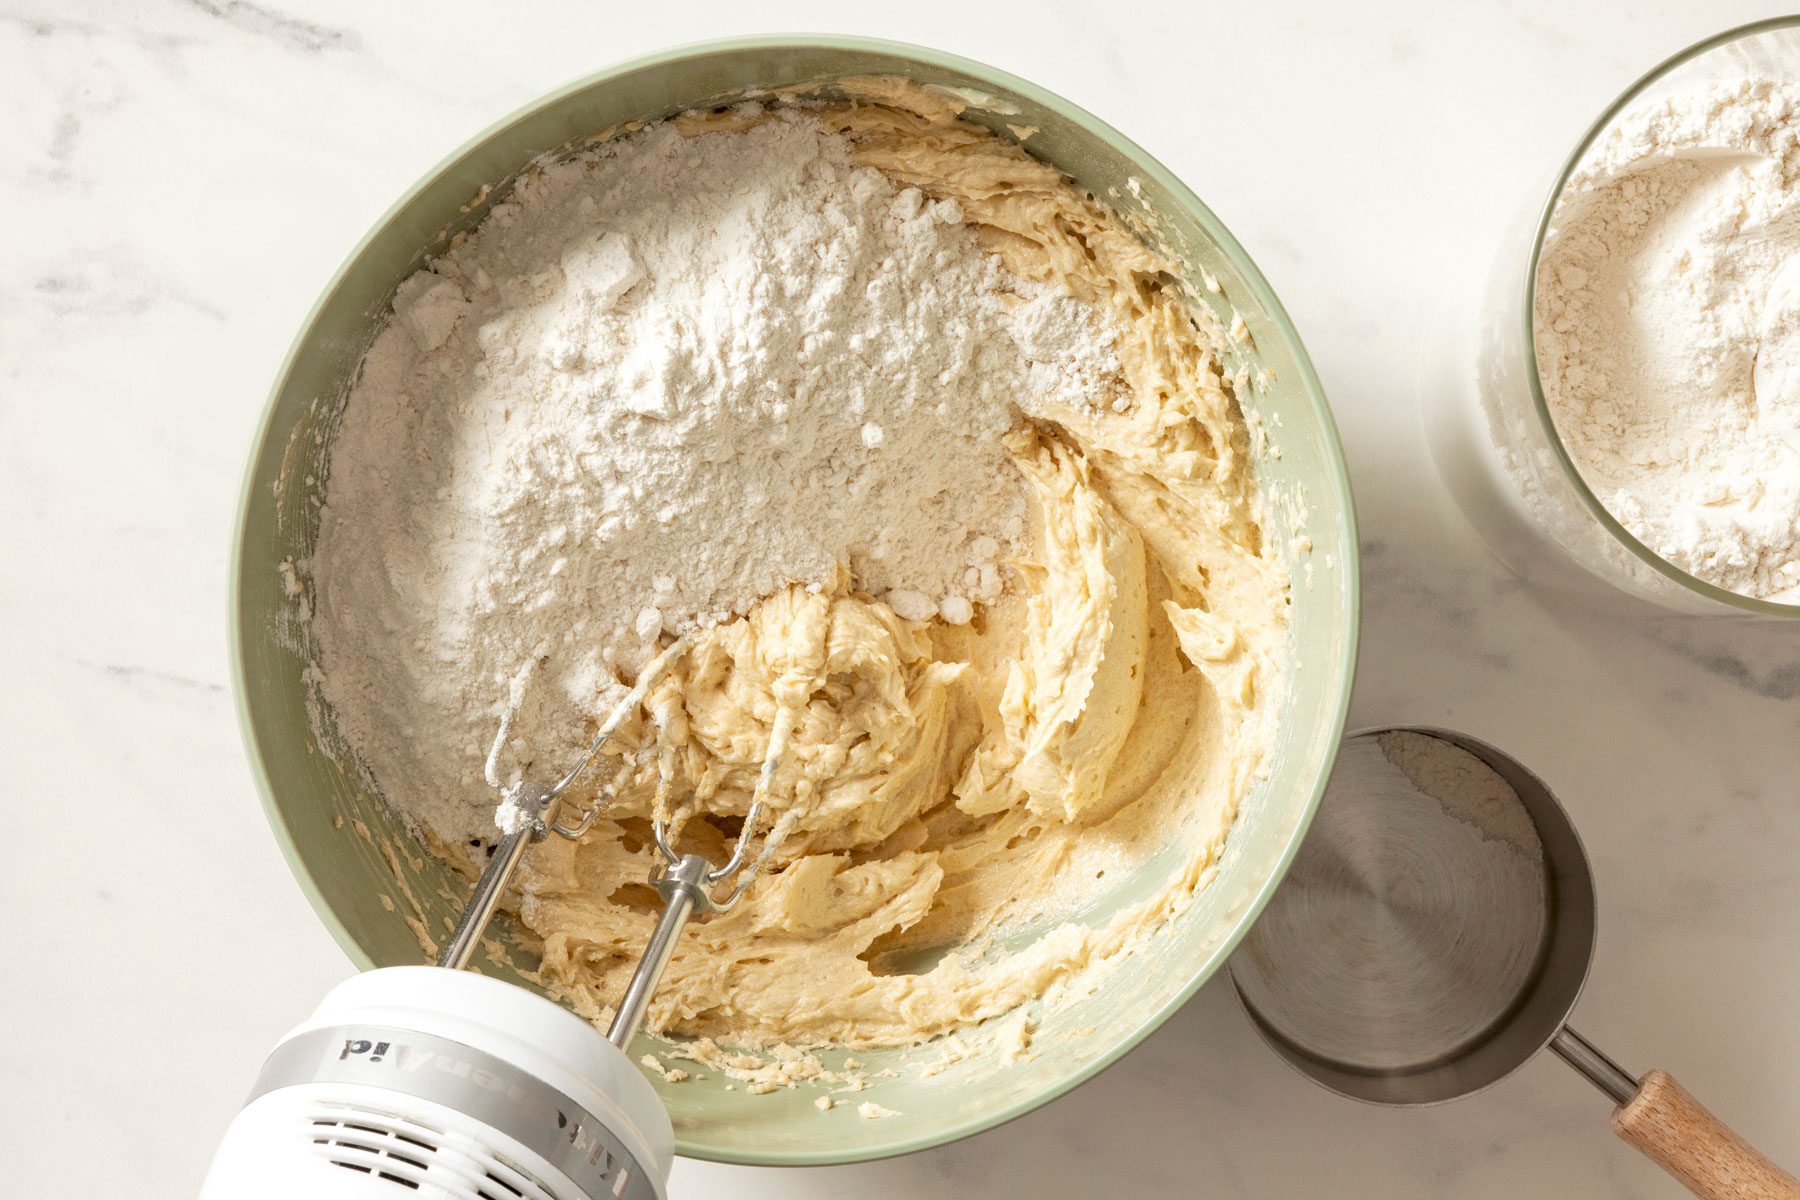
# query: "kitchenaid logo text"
[[407, 1060]]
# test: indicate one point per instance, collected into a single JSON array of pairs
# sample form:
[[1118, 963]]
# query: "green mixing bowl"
[[334, 830]]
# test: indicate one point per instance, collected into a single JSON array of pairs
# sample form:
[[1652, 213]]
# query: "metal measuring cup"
[[1433, 934]]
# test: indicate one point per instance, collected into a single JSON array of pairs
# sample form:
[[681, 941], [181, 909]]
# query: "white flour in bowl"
[[1668, 330], [659, 383]]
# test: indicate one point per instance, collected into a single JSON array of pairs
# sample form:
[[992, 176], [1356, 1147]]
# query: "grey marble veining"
[[285, 30], [184, 175]]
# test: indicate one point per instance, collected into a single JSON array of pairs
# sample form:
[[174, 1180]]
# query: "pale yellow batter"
[[954, 783]]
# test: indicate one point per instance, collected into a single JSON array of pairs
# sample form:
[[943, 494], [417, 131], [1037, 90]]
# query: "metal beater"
[[686, 882]]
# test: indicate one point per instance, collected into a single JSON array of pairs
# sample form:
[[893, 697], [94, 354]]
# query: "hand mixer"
[[434, 1083]]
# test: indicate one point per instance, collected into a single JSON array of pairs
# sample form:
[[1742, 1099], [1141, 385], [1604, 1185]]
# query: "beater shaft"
[[683, 889], [536, 805], [484, 900]]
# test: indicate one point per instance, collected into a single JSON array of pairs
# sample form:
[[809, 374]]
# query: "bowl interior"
[[368, 877]]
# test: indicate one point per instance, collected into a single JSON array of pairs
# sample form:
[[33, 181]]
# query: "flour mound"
[[659, 383], [1668, 330]]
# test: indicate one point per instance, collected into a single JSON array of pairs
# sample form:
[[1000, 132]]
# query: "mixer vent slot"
[[506, 1180], [402, 1151], [375, 1143], [498, 1189]]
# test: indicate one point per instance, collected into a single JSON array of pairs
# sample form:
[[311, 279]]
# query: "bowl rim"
[[1336, 482], [1540, 404]]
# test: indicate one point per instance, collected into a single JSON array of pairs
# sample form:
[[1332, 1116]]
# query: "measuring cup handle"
[[1682, 1136]]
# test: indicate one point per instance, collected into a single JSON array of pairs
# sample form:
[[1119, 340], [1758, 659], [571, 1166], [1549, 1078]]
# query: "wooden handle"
[[1681, 1135]]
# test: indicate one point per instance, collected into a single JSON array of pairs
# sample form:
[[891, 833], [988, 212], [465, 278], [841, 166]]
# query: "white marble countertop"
[[182, 178]]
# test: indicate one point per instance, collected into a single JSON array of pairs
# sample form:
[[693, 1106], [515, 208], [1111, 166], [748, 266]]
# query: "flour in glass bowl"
[[1668, 330], [659, 383]]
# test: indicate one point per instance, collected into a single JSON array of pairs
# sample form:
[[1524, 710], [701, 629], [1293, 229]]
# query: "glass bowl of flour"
[[1634, 412], [388, 894]]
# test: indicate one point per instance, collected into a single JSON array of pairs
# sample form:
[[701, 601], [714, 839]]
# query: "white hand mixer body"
[[432, 1084]]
